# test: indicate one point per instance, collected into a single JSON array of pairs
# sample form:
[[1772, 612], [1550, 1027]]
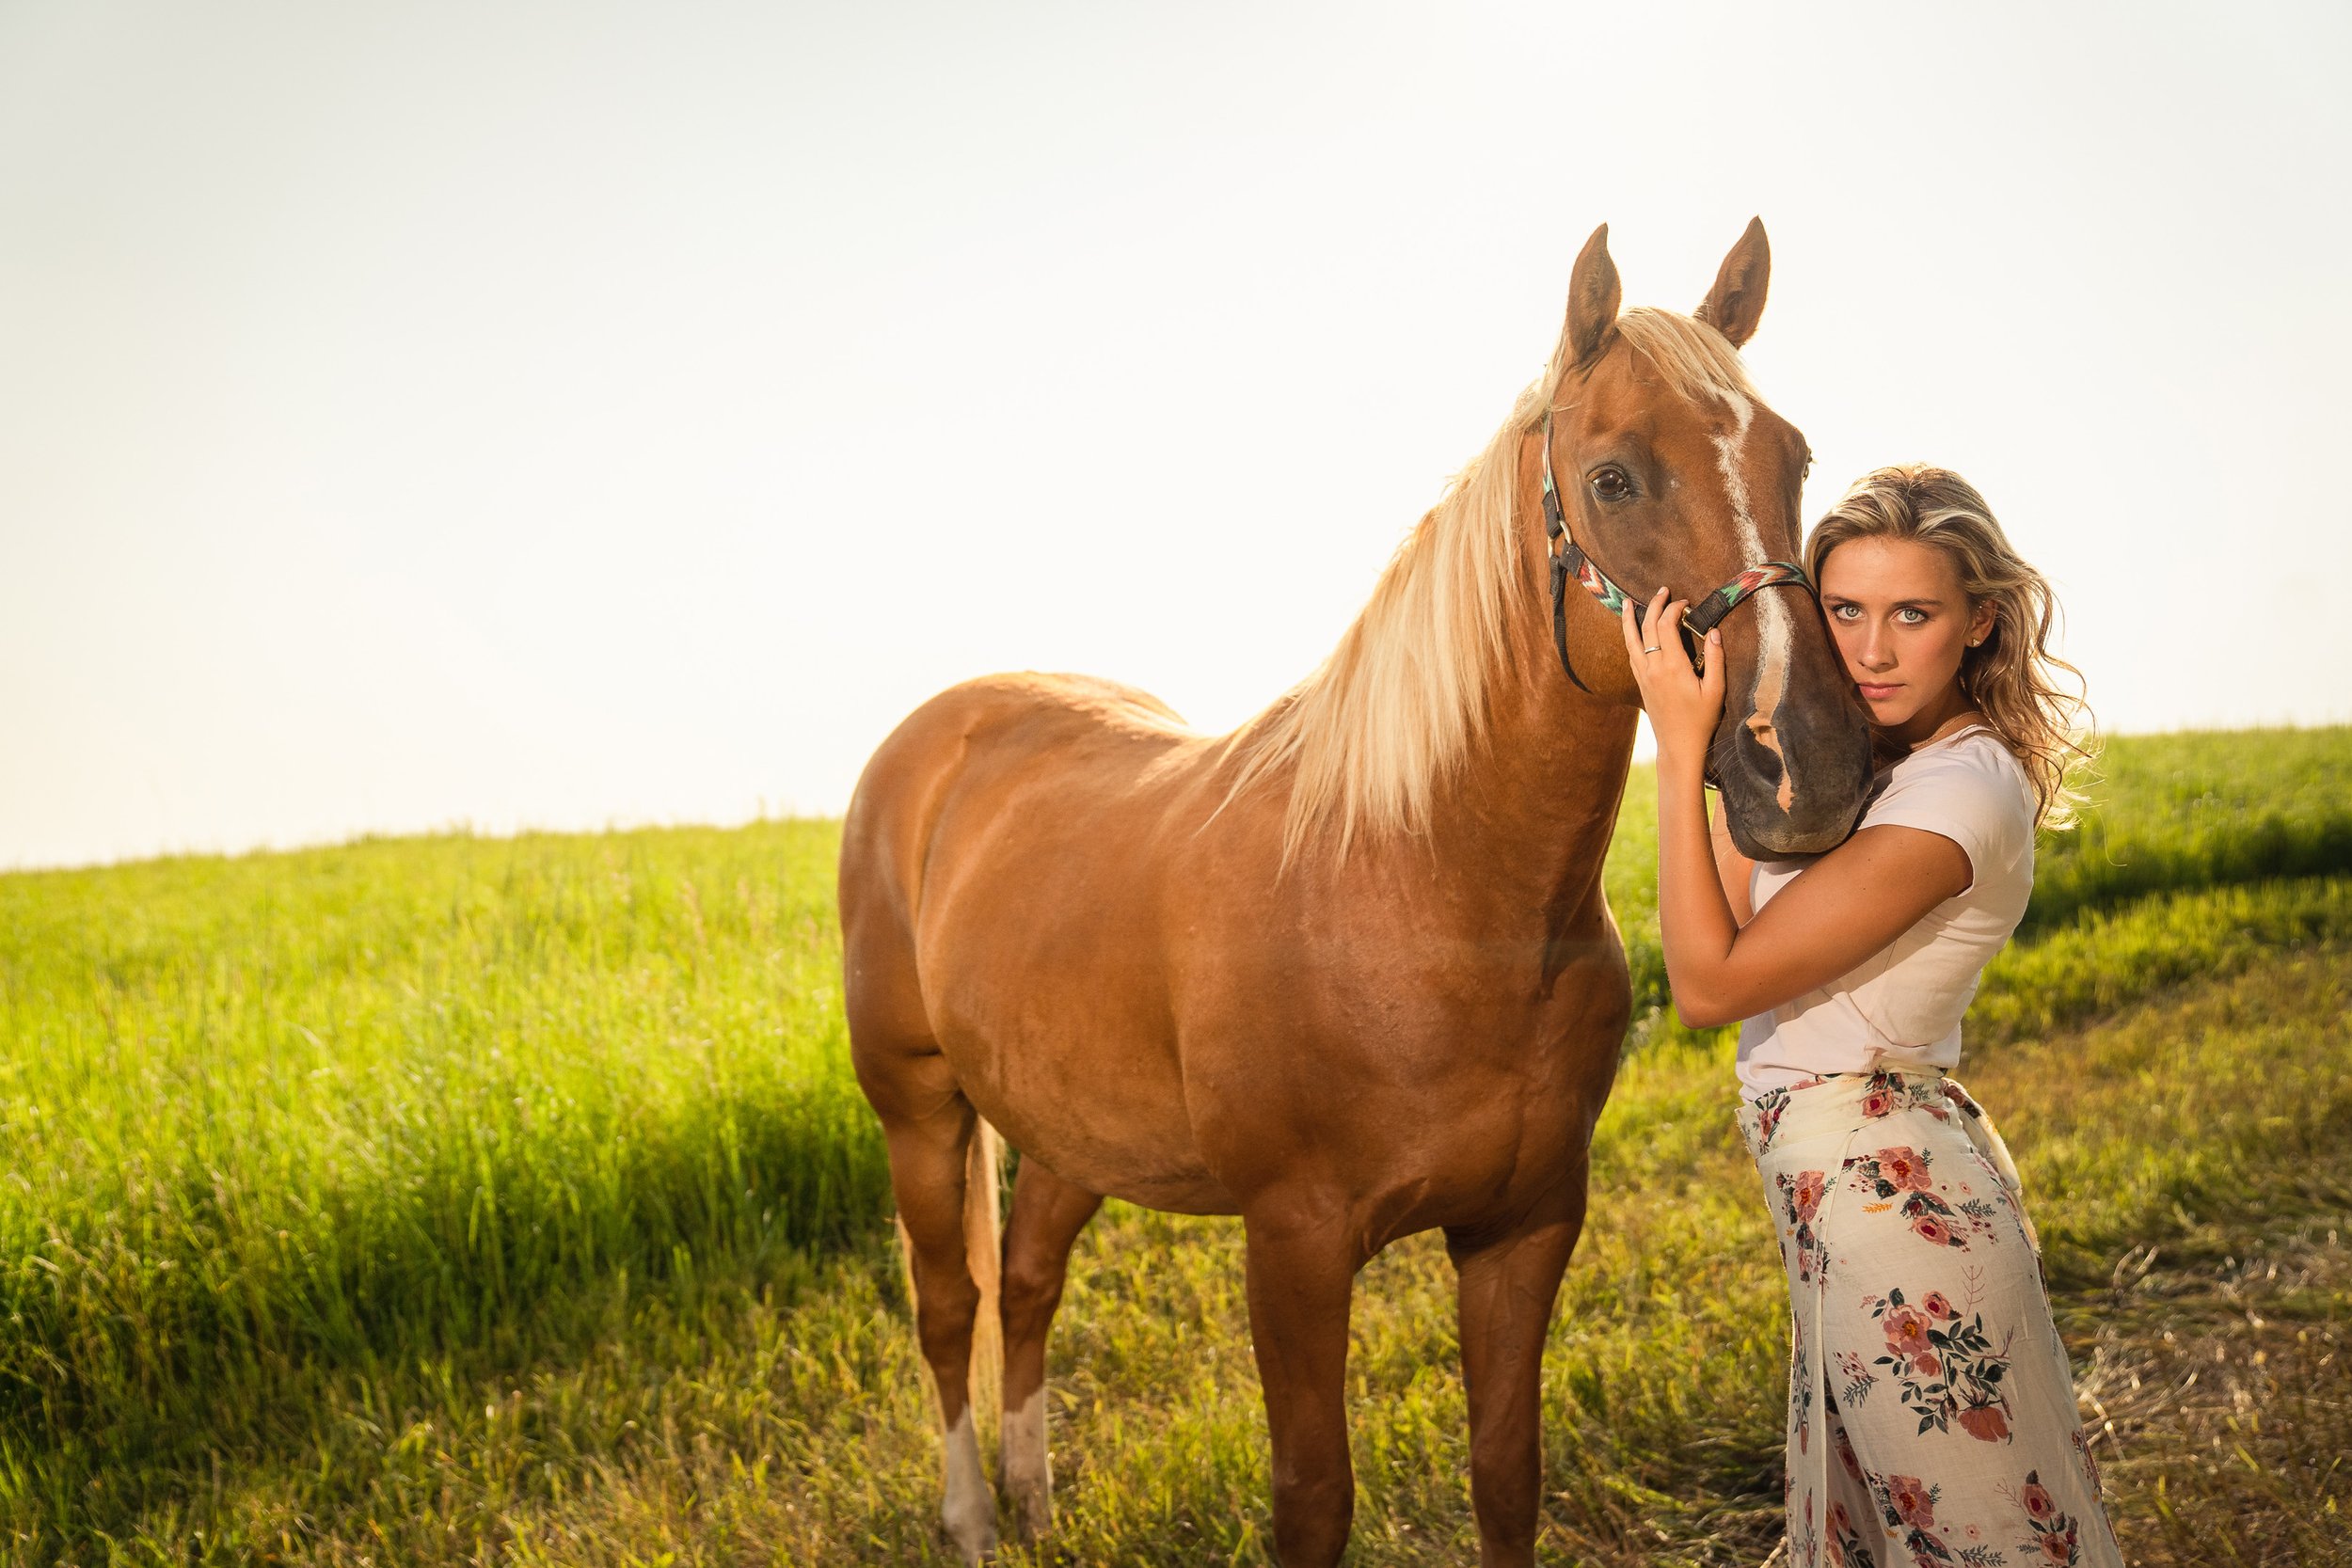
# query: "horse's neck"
[[1536, 798]]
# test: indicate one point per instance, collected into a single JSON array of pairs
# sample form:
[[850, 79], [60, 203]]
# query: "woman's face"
[[1903, 622]]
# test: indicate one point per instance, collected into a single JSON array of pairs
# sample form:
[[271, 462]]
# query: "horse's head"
[[1670, 469]]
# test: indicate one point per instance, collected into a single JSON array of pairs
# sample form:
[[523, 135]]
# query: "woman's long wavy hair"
[[2012, 677]]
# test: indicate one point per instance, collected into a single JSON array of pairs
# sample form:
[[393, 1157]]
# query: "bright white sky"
[[417, 414]]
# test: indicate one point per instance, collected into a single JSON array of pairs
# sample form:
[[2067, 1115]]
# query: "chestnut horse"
[[1347, 971]]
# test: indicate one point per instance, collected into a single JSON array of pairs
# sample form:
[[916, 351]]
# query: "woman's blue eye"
[[1920, 613]]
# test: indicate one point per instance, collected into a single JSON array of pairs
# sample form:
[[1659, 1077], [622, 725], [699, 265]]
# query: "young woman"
[[1930, 1410]]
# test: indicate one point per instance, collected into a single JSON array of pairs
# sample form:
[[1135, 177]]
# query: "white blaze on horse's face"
[[1773, 621]]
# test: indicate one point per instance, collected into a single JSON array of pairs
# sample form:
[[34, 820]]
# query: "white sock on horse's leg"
[[969, 1512], [1026, 1468]]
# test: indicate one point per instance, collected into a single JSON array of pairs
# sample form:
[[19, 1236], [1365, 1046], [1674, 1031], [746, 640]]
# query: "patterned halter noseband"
[[1568, 559]]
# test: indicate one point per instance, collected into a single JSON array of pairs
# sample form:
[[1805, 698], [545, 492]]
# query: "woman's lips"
[[1877, 693]]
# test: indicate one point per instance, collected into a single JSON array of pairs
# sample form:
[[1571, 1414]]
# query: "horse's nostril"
[[1760, 747]]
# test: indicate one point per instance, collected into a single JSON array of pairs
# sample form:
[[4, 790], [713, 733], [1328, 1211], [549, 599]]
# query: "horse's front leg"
[[1303, 1260], [1508, 1282]]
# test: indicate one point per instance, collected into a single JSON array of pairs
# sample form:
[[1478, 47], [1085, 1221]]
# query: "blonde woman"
[[1930, 1410]]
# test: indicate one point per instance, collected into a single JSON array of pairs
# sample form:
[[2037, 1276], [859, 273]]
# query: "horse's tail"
[[983, 1255]]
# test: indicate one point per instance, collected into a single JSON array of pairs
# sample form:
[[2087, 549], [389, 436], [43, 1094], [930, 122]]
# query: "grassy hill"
[[451, 1199]]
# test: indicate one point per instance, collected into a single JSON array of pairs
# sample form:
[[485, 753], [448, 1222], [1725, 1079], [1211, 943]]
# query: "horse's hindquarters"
[[1000, 892]]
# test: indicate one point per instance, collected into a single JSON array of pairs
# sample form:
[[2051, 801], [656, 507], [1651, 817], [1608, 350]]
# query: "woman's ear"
[[1983, 620]]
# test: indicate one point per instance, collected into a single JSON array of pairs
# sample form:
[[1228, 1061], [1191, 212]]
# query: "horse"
[[1347, 971]]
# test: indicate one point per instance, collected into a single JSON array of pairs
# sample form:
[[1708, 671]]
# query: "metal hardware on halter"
[[1697, 619]]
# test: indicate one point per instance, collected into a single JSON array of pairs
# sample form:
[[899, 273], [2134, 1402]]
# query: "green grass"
[[272, 1117], [2201, 811], [448, 1200]]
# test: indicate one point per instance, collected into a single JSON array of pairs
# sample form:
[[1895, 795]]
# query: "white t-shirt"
[[1900, 1007]]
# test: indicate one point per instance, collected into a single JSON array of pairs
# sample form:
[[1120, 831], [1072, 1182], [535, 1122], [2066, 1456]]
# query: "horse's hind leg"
[[931, 1129], [1047, 1215]]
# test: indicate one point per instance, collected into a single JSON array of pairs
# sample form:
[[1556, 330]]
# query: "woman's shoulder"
[[1969, 787], [1977, 752], [1983, 752]]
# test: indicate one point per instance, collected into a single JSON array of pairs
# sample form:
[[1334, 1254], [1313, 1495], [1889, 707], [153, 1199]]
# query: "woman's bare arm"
[[1846, 906]]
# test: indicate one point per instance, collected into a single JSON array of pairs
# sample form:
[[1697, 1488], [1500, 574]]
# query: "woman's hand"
[[1684, 707]]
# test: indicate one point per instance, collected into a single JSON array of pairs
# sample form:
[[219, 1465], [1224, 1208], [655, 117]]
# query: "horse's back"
[[987, 730]]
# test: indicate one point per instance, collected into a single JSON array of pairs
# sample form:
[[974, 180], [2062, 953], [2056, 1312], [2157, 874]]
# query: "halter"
[[1697, 620]]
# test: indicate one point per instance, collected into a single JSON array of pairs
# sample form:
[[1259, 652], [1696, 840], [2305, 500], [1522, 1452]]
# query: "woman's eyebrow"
[[1899, 604]]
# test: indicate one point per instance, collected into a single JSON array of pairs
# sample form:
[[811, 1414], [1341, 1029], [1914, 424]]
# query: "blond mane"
[[1396, 707]]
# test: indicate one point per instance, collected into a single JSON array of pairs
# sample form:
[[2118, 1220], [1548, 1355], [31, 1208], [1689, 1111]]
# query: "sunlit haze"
[[551, 416]]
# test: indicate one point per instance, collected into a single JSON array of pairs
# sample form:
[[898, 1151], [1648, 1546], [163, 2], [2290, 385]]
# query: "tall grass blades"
[[2200, 811], [389, 1101]]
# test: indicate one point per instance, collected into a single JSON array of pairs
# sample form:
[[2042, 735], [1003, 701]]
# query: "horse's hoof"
[[1032, 1512], [973, 1534]]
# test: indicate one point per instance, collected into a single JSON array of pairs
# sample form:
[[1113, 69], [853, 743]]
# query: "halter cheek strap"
[[1569, 560]]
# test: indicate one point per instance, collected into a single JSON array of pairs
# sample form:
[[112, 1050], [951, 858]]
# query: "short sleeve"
[[1970, 794]]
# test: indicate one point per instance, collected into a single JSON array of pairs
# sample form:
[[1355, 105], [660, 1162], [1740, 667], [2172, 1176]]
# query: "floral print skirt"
[[1931, 1409]]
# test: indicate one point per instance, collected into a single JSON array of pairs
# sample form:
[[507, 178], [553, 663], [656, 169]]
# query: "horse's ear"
[[1593, 295], [1735, 303]]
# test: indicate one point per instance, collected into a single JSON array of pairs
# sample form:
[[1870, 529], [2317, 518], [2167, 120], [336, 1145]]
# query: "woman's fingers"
[[1665, 626], [1659, 629]]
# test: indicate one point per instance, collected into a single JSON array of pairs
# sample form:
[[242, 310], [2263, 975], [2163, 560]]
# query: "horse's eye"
[[1611, 484]]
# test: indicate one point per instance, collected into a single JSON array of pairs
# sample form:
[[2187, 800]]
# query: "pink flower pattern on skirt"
[[1944, 1365], [1911, 1265]]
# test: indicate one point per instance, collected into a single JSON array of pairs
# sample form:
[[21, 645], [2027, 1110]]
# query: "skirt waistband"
[[1840, 1106]]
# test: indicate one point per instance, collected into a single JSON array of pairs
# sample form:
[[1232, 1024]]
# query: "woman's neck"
[[1927, 727]]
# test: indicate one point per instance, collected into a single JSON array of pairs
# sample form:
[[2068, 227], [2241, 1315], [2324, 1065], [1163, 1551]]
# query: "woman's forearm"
[[1694, 920]]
